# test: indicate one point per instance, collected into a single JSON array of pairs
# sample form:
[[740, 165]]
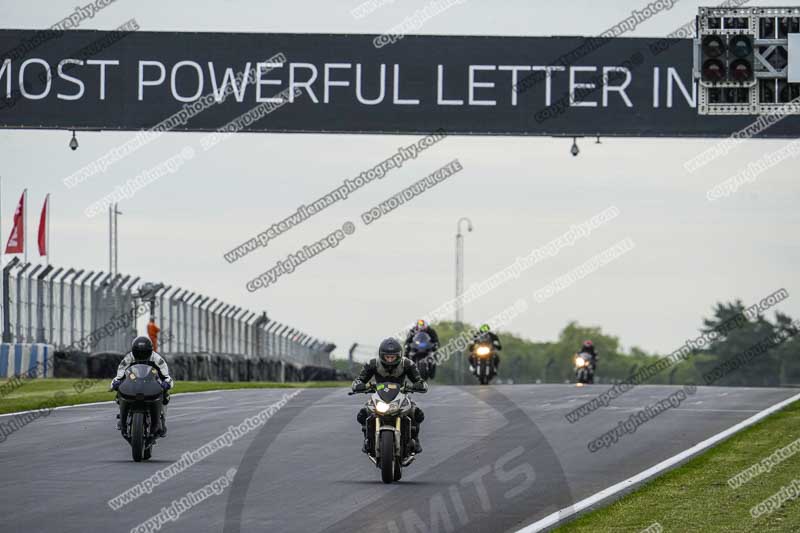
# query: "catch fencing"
[[76, 310]]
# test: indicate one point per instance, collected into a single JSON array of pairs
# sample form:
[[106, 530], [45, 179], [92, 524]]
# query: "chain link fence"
[[95, 311]]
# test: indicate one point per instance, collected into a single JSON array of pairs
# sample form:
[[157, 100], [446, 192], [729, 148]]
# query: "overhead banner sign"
[[132, 80]]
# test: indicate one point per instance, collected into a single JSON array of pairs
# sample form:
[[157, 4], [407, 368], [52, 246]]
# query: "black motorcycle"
[[389, 428], [483, 360], [420, 352], [141, 392]]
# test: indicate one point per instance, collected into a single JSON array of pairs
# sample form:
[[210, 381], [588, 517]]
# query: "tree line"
[[760, 351]]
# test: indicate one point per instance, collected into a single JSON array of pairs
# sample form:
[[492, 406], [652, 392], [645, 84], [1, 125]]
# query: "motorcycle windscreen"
[[141, 371], [141, 382], [422, 340], [387, 392]]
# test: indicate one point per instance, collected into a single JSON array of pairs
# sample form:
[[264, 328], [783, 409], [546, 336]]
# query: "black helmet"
[[142, 348], [390, 352]]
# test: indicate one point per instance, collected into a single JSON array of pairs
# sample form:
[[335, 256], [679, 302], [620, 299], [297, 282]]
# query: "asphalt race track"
[[495, 459]]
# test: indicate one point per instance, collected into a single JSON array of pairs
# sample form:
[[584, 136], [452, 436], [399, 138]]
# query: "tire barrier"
[[70, 364], [33, 360], [103, 364]]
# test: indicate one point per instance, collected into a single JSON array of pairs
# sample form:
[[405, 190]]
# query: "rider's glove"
[[166, 385], [418, 386], [115, 384], [359, 387]]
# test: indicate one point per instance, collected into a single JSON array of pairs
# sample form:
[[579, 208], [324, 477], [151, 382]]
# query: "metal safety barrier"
[[94, 311]]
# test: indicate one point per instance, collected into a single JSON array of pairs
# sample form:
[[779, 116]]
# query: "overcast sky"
[[519, 192]]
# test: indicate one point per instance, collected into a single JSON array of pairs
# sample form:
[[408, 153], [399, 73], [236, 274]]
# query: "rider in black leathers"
[[391, 367], [485, 331]]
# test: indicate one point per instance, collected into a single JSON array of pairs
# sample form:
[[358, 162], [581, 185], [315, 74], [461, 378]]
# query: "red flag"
[[43, 228], [16, 241]]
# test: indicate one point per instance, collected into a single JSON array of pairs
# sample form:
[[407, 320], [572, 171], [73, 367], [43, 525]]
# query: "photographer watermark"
[[251, 116], [753, 170], [459, 343], [409, 193], [71, 21], [757, 350], [341, 192], [581, 91], [765, 465], [633, 422], [773, 503], [18, 380], [191, 458], [685, 31], [177, 507], [513, 271], [414, 22], [725, 146], [296, 259], [230, 83], [679, 355], [590, 266], [23, 419], [591, 44], [134, 185], [370, 6]]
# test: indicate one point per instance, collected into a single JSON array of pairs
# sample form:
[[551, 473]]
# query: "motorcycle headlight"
[[482, 350], [383, 407], [580, 362]]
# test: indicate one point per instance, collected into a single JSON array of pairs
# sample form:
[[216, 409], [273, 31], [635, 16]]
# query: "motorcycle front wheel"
[[137, 436], [387, 456]]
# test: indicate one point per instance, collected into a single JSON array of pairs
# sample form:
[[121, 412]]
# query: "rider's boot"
[[365, 447], [163, 432], [416, 446]]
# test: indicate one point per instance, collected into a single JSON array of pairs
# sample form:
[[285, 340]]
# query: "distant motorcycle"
[[420, 351], [389, 429], [140, 390], [484, 359], [584, 372]]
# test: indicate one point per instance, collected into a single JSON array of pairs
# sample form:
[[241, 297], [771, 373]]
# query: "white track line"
[[176, 394], [554, 518]]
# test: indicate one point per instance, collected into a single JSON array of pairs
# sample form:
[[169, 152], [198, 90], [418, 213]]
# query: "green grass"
[[696, 497], [37, 393]]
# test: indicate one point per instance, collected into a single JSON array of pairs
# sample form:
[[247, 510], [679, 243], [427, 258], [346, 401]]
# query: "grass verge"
[[37, 393], [696, 496]]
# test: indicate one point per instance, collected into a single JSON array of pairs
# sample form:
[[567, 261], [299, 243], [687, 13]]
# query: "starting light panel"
[[742, 60]]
